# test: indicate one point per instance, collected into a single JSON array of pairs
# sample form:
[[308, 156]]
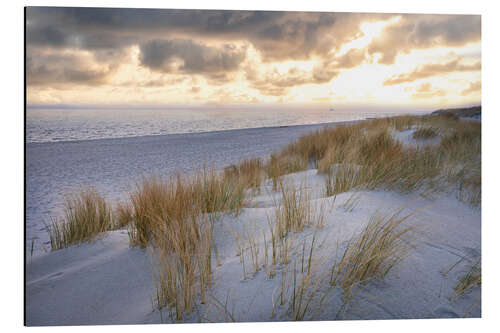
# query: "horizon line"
[[374, 107]]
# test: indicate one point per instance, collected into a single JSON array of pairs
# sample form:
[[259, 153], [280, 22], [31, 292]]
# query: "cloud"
[[430, 70], [62, 69], [425, 31], [275, 83], [350, 59], [473, 87], [295, 36], [88, 46], [46, 36], [426, 90], [182, 41], [187, 56], [155, 83], [277, 35]]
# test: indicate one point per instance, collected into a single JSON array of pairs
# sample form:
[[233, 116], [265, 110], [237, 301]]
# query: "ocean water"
[[110, 150], [54, 125]]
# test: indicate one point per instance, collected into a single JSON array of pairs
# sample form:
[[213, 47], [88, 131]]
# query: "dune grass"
[[471, 279], [463, 142], [425, 133], [366, 156], [461, 154], [307, 282], [86, 215], [156, 201], [305, 287], [151, 198], [282, 164], [216, 193], [351, 202], [402, 123], [449, 116], [249, 173], [295, 211], [247, 246], [382, 244], [292, 214], [175, 217], [183, 264], [122, 215]]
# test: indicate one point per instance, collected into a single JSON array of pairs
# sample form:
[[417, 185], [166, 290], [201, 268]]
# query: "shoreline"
[[335, 123], [113, 165]]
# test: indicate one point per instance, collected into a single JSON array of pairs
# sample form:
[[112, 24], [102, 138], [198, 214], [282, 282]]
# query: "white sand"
[[107, 282], [406, 138]]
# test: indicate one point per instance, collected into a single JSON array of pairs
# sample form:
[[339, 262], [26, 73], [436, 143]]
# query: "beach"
[[112, 280], [113, 166]]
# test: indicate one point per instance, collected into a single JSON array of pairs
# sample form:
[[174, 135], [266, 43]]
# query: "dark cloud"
[[47, 36], [64, 69], [473, 87], [164, 56], [148, 20], [295, 36], [430, 70], [278, 35], [425, 31]]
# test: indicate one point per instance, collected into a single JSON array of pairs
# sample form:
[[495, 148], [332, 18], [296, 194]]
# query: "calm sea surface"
[[44, 125]]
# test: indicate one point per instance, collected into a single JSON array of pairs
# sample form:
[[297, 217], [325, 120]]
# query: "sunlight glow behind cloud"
[[113, 56]]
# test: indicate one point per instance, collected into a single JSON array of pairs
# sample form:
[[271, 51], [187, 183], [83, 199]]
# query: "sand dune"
[[108, 282]]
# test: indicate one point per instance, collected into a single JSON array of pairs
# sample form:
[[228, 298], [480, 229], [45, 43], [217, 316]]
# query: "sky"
[[113, 56]]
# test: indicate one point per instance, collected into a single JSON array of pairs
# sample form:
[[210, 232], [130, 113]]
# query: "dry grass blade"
[[374, 252], [425, 133], [342, 178], [248, 172], [123, 215], [175, 218], [223, 308], [282, 164], [181, 198], [351, 202], [183, 264], [295, 211], [470, 279], [382, 161], [304, 286], [86, 215]]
